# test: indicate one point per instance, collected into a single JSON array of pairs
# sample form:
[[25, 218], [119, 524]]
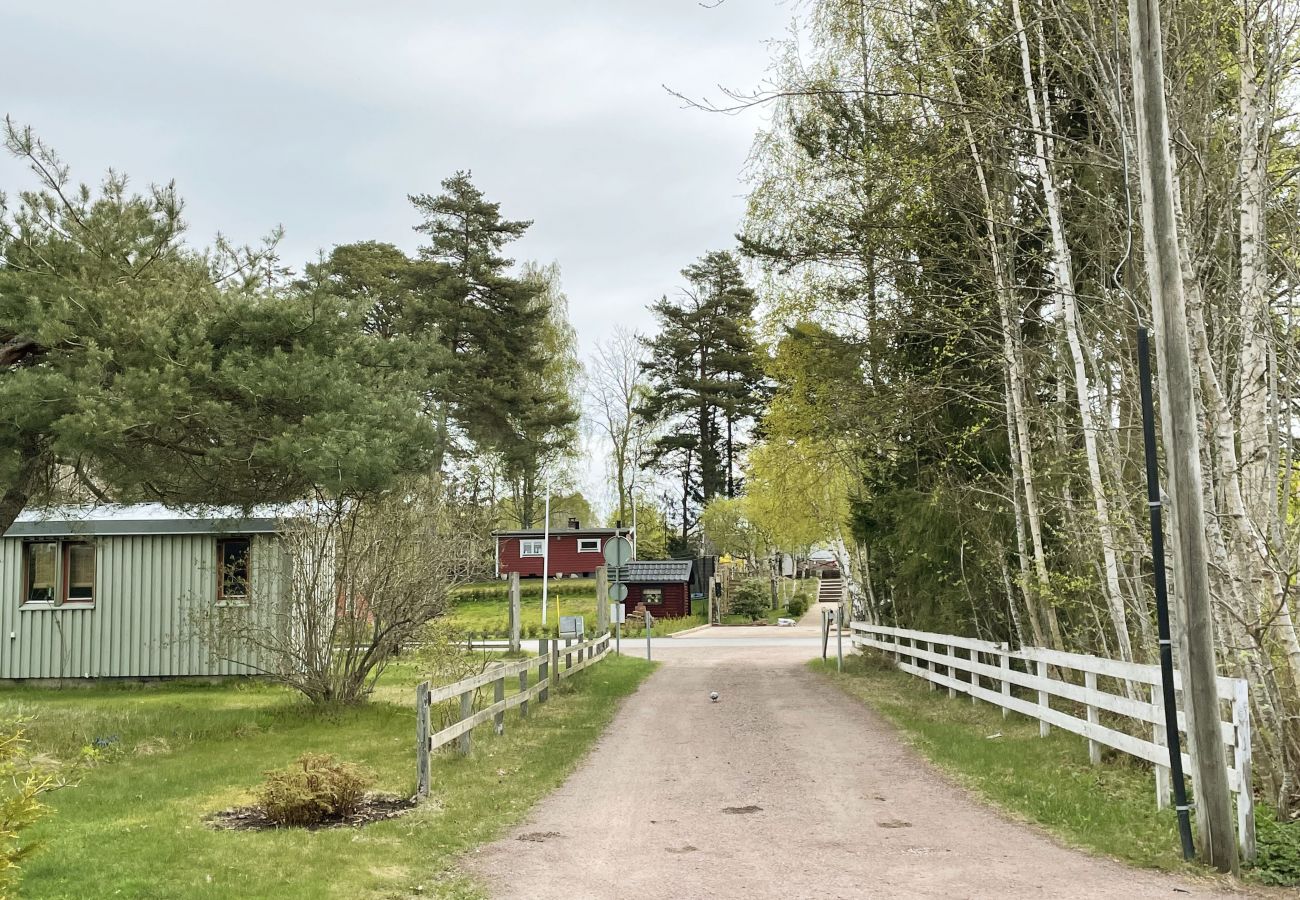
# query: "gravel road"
[[785, 788]]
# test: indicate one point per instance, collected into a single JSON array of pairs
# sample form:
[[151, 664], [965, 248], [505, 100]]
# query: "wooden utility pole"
[[1218, 845]]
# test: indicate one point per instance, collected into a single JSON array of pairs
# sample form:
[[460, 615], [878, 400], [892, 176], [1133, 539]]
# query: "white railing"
[[549, 673], [1134, 694]]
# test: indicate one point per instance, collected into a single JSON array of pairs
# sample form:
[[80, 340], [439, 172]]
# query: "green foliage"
[[22, 782], [797, 606], [725, 528], [752, 598], [145, 369], [706, 379], [1278, 848], [315, 789]]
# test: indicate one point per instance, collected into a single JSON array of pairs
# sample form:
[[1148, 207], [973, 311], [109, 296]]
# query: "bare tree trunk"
[[1063, 271]]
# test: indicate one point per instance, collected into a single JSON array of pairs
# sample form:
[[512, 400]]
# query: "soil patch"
[[375, 808]]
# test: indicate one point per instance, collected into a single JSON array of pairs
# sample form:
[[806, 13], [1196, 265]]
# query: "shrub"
[[315, 788], [21, 784], [752, 599], [798, 606]]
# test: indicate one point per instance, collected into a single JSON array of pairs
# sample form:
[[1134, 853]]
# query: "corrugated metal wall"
[[150, 593]]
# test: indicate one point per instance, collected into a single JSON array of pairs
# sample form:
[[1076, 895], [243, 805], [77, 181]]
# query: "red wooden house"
[[663, 585], [573, 550]]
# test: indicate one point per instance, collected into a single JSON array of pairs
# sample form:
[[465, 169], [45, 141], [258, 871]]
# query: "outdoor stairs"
[[830, 590]]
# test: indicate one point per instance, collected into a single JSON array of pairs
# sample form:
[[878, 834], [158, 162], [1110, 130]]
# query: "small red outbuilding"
[[663, 585]]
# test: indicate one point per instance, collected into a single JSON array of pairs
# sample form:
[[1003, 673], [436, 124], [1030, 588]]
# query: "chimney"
[[573, 523]]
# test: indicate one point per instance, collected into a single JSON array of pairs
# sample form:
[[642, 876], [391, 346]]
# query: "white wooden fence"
[[549, 673], [989, 671]]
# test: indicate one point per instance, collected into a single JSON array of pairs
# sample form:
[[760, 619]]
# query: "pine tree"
[[488, 321], [706, 379]]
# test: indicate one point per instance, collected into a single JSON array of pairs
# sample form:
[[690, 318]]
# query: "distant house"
[[573, 550], [113, 591], [663, 585]]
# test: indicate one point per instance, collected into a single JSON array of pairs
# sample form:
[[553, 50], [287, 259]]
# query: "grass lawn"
[[1108, 808], [486, 607], [174, 753]]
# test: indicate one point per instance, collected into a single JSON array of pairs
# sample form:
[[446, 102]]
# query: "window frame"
[[526, 543], [61, 588], [234, 599], [656, 592], [595, 549]]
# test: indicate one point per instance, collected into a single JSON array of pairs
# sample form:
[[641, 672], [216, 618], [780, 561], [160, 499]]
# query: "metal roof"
[[144, 518], [656, 571]]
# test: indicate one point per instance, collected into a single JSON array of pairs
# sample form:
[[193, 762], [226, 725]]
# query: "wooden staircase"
[[830, 590]]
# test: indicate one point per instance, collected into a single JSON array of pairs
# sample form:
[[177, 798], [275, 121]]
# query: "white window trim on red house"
[[531, 546], [593, 545]]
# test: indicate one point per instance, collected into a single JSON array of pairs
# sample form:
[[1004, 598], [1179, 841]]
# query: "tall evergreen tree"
[[489, 322], [150, 370], [706, 379]]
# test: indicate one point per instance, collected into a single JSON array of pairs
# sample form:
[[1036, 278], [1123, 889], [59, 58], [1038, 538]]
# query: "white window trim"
[[526, 545], [595, 542]]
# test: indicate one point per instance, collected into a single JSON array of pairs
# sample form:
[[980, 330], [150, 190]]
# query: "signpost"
[[618, 552], [618, 615], [649, 627]]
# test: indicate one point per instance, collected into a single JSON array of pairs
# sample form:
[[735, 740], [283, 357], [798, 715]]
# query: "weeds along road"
[[785, 788]]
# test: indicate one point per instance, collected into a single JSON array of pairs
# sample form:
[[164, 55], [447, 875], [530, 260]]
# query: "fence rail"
[[1136, 696], [549, 674]]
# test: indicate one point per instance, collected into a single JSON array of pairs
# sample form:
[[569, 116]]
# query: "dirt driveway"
[[785, 788]]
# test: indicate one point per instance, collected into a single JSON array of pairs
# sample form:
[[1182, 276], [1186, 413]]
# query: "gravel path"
[[786, 788]]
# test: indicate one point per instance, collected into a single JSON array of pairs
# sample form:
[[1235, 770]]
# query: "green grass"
[[1108, 808], [174, 753], [491, 613]]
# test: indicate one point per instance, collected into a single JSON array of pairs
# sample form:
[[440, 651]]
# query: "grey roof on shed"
[[657, 571], [143, 518]]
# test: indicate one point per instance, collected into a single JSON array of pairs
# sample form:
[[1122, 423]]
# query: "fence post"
[[422, 739], [974, 679], [951, 652], [466, 710], [1005, 660], [544, 670], [523, 686], [555, 662], [1044, 700], [602, 600], [1241, 760], [568, 657], [498, 695], [1094, 748], [930, 666], [514, 612], [1159, 737]]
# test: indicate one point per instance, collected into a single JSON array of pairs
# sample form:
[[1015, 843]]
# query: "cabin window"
[[233, 579], [588, 545], [652, 596], [530, 547], [59, 572]]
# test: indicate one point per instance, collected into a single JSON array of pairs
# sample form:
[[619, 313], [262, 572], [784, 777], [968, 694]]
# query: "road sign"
[[572, 626], [617, 613], [618, 550], [618, 592]]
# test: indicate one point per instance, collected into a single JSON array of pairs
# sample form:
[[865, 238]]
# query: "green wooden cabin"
[[122, 591]]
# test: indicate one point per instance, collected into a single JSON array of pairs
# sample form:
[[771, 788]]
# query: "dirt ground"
[[785, 788]]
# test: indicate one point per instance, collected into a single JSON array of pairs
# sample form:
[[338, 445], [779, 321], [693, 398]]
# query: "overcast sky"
[[322, 116]]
